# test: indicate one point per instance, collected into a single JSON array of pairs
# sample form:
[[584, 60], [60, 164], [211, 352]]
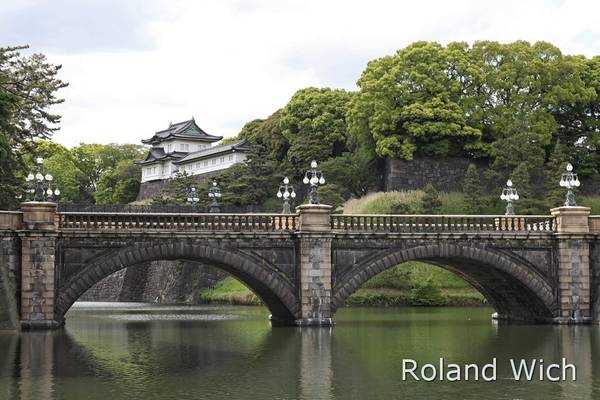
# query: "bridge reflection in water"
[[227, 352]]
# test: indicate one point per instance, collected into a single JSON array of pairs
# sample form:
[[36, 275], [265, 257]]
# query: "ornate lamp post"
[[286, 191], [569, 180], [192, 197], [315, 178], [214, 193], [509, 194], [40, 186]]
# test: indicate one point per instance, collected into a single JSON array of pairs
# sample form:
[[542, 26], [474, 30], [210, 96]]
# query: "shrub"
[[427, 293], [406, 202]]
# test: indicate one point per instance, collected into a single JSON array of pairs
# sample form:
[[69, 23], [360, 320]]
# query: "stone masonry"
[[302, 266]]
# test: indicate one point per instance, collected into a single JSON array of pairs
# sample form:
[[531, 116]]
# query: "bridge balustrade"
[[177, 221], [443, 223]]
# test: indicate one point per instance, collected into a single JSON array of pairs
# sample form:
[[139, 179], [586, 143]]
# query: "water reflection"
[[114, 354]]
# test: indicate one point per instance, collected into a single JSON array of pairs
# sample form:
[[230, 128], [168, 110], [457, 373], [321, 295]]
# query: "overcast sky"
[[135, 65]]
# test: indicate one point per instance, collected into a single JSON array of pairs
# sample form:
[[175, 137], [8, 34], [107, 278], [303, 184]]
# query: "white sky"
[[135, 65]]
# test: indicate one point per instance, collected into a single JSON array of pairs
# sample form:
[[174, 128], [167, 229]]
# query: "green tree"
[[314, 124], [177, 189], [528, 203], [330, 194], [473, 190], [120, 185], [431, 200], [28, 87], [410, 104], [94, 160], [267, 133], [513, 150], [353, 172], [554, 170], [252, 182]]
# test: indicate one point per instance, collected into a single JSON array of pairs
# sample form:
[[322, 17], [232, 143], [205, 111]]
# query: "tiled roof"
[[241, 145], [186, 130], [158, 154]]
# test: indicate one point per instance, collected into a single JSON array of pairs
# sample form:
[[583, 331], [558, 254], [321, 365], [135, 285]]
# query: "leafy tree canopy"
[[459, 100], [314, 124], [28, 87]]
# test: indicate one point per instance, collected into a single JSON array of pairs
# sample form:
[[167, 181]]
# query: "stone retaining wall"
[[156, 282]]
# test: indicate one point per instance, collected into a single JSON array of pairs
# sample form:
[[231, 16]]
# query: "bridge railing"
[[594, 223], [177, 222], [442, 223]]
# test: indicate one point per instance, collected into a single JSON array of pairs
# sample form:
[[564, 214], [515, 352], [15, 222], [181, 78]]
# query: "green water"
[[136, 351]]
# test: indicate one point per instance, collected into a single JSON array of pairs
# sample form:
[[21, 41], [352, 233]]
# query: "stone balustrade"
[[177, 221], [11, 220], [443, 223], [594, 224]]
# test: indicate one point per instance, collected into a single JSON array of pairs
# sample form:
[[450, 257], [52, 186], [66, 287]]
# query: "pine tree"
[[554, 168], [431, 200], [473, 190], [528, 203]]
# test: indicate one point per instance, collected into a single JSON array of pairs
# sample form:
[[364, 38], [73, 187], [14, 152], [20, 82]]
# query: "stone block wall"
[[158, 281], [595, 279], [315, 279], [10, 281], [574, 278], [447, 174], [108, 289], [38, 279]]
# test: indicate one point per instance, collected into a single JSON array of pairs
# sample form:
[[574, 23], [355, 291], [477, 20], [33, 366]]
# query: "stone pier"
[[315, 265], [572, 227], [38, 249]]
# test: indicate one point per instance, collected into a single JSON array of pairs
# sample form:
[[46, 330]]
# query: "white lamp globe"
[[569, 167], [509, 183], [286, 180], [305, 180], [279, 194], [314, 180], [516, 197], [39, 177], [293, 194], [313, 164], [57, 192], [322, 181], [286, 195]]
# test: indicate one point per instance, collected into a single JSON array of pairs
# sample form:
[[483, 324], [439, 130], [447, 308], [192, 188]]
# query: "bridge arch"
[[273, 288], [514, 289]]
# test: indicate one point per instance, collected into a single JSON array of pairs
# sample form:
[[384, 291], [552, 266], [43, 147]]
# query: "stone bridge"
[[304, 265]]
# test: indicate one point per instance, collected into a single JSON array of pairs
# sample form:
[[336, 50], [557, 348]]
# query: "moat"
[[146, 351]]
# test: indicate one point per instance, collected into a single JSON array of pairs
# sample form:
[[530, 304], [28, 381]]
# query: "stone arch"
[[514, 289], [276, 291]]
